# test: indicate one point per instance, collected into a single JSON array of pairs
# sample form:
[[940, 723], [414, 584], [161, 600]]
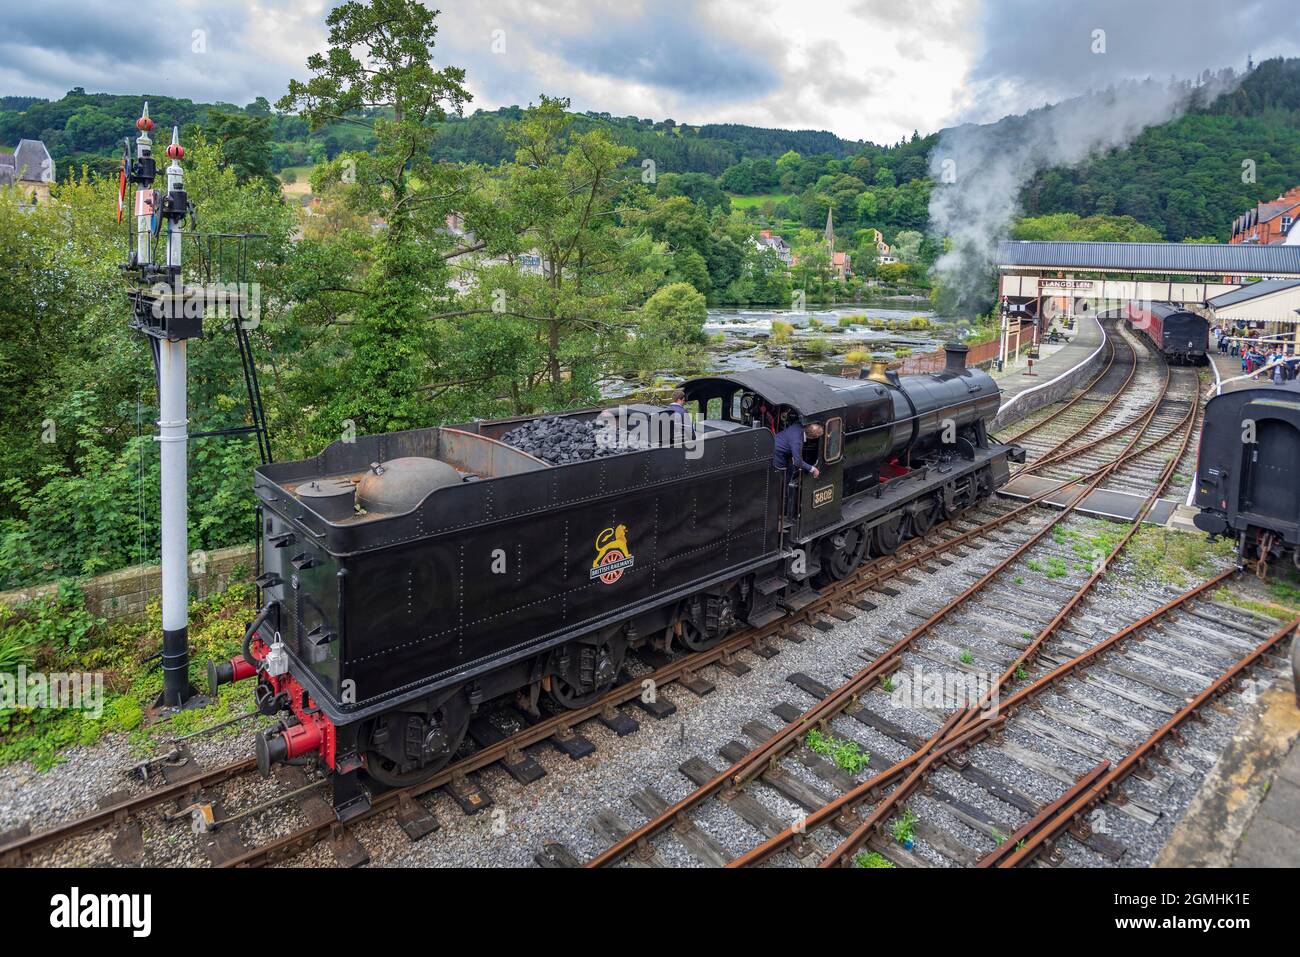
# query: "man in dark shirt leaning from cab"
[[788, 458]]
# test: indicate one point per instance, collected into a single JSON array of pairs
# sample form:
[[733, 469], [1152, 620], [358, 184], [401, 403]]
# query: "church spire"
[[829, 235]]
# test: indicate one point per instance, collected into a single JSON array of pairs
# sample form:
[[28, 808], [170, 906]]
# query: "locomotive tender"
[[410, 578], [1246, 471], [1180, 336]]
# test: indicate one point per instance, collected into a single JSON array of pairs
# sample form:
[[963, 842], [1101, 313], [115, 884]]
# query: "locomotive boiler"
[[412, 578]]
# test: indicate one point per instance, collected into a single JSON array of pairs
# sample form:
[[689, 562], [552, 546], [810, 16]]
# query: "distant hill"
[[1186, 178], [88, 128], [1183, 178]]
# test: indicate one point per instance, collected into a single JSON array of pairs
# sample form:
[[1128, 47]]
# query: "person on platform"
[[787, 458]]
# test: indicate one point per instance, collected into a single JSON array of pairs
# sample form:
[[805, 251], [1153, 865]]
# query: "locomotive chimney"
[[956, 353], [879, 364]]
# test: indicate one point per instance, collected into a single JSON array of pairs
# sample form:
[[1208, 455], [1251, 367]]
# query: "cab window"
[[834, 439]]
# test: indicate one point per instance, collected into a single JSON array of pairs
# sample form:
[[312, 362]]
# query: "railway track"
[[1139, 436], [950, 636]]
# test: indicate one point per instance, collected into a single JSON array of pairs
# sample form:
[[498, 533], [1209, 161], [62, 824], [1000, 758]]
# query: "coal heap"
[[563, 441]]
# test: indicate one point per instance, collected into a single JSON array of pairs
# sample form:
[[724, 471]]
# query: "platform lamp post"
[[160, 314]]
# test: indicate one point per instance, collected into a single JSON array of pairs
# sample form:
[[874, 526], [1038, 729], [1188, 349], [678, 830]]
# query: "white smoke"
[[979, 171]]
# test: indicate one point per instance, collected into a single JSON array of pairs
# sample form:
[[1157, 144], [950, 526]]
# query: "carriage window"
[[834, 439]]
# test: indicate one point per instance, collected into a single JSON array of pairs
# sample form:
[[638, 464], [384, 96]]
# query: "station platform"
[[1056, 360], [1246, 812], [1102, 503], [1228, 373]]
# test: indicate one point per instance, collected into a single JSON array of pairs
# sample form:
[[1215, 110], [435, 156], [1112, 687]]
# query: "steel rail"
[[1110, 361], [1099, 790], [1023, 832], [1031, 651], [15, 850], [844, 696], [961, 721], [1058, 450], [1055, 459]]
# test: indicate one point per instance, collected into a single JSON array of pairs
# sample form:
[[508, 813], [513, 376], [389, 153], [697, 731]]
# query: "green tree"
[[675, 315], [379, 73], [244, 143]]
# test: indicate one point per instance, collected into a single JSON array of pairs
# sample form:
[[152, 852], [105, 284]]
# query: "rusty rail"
[[1096, 792], [1040, 819], [1110, 361], [961, 722], [15, 850]]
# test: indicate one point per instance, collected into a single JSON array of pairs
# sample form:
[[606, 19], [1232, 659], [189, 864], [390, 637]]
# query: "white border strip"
[[1070, 371]]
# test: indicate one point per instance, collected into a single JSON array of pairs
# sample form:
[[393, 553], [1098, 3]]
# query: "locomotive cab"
[[770, 399]]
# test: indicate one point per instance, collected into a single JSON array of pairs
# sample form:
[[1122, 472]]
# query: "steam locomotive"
[[410, 578], [1245, 480], [1180, 336]]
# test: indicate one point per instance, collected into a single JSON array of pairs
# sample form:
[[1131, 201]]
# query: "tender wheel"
[[840, 563], [583, 673], [696, 638], [707, 621], [889, 535], [406, 748]]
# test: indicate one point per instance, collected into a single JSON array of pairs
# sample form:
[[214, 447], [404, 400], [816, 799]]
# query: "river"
[[741, 338]]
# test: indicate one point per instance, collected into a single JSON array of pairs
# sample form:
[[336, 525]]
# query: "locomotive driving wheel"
[[889, 535], [843, 553], [697, 638], [924, 518], [707, 622]]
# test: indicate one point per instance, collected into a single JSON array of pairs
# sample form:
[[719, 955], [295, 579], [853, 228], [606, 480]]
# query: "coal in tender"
[[561, 441]]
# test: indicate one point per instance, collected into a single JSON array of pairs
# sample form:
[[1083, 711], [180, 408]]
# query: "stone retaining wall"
[[123, 594]]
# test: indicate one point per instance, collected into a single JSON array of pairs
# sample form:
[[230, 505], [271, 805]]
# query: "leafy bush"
[[59, 622]]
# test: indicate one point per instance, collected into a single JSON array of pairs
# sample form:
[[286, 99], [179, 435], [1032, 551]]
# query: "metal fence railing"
[[935, 361]]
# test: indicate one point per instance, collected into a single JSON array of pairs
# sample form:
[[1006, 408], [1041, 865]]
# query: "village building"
[[30, 170], [766, 239], [1269, 223], [884, 253]]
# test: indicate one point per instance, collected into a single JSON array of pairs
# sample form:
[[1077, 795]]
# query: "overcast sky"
[[864, 69]]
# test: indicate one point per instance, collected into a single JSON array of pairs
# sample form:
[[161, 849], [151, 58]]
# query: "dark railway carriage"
[[1246, 480], [1180, 336], [410, 578]]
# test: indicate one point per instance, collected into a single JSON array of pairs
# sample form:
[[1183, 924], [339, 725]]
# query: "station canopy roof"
[[1253, 290], [1272, 300], [1213, 259]]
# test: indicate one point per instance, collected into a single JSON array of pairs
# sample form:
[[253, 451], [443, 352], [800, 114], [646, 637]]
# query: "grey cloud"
[[1038, 52], [669, 45], [1033, 53]]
